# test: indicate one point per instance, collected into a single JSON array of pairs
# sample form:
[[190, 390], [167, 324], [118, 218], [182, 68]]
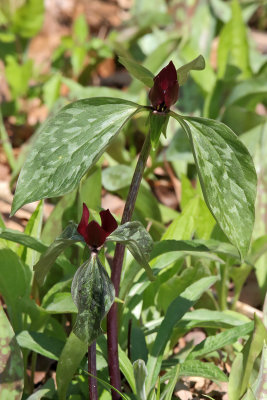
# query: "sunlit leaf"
[[68, 145], [227, 176]]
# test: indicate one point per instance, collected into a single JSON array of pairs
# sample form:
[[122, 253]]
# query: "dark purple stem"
[[92, 382], [112, 318]]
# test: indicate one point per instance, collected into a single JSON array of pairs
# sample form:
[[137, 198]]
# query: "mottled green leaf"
[[93, 294], [138, 71], [68, 145], [195, 65], [11, 362], [69, 360], [66, 239], [138, 241], [227, 176]]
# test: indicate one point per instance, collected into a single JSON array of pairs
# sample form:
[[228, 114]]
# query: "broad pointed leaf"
[[227, 176], [69, 360], [68, 145], [93, 294], [183, 72], [138, 71], [66, 239], [11, 362], [138, 241]]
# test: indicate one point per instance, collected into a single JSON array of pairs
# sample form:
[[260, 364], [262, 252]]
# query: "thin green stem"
[[6, 143], [112, 318], [223, 287]]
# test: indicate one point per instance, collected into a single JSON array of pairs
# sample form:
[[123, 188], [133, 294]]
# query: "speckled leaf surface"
[[68, 145], [47, 259], [227, 176], [11, 362], [138, 241], [93, 294]]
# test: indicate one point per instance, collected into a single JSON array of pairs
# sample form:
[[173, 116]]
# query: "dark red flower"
[[94, 234], [164, 92]]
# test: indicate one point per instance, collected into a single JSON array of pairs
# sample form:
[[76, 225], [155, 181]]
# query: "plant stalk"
[[112, 318], [92, 382]]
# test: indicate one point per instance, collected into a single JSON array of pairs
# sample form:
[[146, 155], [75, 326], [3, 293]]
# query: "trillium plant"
[[67, 146]]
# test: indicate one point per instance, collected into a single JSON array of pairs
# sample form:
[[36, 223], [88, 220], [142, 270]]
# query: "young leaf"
[[66, 239], [138, 241], [11, 361], [69, 360], [28, 19], [243, 363], [233, 46], [183, 72], [158, 123], [93, 294], [138, 71], [227, 176], [47, 390], [68, 145], [140, 374], [258, 390]]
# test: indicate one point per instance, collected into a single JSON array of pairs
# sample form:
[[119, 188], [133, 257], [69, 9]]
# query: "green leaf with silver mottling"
[[11, 362], [140, 374], [197, 64], [93, 294], [138, 241], [66, 239], [138, 71], [68, 145], [227, 176]]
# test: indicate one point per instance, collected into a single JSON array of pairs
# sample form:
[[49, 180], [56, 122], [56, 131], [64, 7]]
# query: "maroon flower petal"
[[95, 235], [156, 94], [109, 224], [167, 76], [164, 92], [171, 95], [84, 222]]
